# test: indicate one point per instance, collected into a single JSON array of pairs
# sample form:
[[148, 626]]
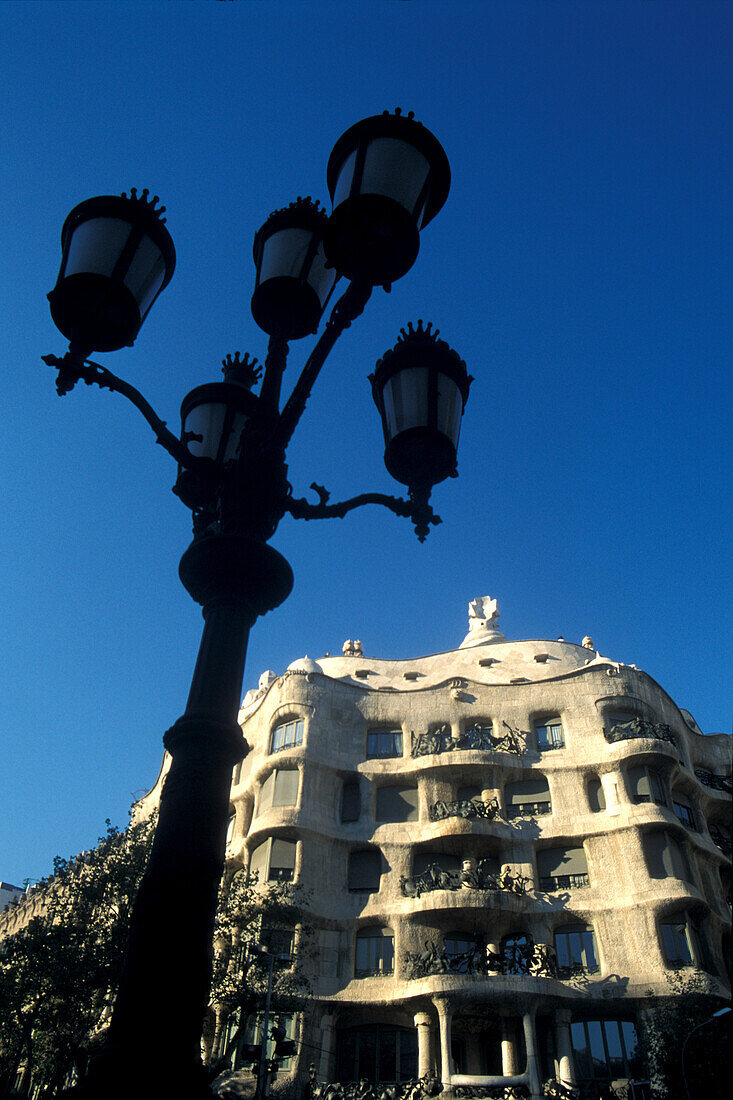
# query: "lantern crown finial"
[[304, 211], [244, 371], [143, 200]]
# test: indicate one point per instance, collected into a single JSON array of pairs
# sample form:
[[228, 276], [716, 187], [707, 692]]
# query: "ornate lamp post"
[[388, 176]]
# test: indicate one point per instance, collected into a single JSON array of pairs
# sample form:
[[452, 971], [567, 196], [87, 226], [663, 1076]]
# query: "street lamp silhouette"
[[388, 177]]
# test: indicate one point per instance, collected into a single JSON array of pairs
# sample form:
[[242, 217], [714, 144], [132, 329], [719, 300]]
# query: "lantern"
[[420, 388], [293, 283], [388, 177], [117, 256], [213, 419]]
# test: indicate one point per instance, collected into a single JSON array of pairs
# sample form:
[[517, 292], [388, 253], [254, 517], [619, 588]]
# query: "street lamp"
[[388, 177]]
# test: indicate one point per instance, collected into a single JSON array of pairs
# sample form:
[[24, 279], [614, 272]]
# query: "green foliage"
[[59, 972], [668, 1023]]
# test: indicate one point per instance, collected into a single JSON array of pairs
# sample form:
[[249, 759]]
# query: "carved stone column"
[[563, 1042], [509, 1065], [533, 1069], [425, 1055], [445, 1013], [328, 1024], [611, 783]]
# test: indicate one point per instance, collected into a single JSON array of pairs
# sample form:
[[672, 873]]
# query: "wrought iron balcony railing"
[[639, 727], [534, 959], [722, 783], [467, 808], [528, 809], [481, 738], [481, 877], [550, 883]]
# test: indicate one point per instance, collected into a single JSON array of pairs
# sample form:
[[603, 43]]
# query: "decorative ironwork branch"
[[421, 514], [349, 306], [74, 368]]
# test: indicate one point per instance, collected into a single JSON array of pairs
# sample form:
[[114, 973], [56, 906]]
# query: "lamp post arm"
[[416, 509], [275, 363], [73, 368], [349, 306]]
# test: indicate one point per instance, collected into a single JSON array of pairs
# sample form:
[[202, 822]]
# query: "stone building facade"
[[509, 847]]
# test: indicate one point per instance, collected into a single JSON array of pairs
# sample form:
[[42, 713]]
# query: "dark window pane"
[[365, 868], [596, 797], [597, 1050], [350, 802], [387, 1065], [346, 1056], [408, 1055], [368, 1055], [581, 1051], [384, 743], [613, 1045], [397, 804]]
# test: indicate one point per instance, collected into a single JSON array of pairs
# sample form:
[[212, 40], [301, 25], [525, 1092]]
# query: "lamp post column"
[[165, 983]]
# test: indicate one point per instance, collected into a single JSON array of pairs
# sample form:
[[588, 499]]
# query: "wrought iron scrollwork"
[[639, 727], [534, 959], [716, 782], [415, 1089], [477, 738], [480, 877], [467, 808], [491, 1092]]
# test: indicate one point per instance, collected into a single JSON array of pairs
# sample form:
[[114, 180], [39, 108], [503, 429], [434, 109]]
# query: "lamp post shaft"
[[164, 987]]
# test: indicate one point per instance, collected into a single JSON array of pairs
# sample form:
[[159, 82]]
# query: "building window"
[[374, 952], [562, 869], [605, 1050], [287, 735], [279, 789], [380, 1054], [382, 744], [350, 801], [646, 785], [397, 804], [365, 870], [683, 811], [576, 950], [682, 942], [423, 860], [527, 797], [236, 773], [231, 822], [596, 795], [549, 735], [665, 857], [274, 860]]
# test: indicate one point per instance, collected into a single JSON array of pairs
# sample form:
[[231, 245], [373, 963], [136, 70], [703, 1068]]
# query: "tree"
[[269, 915], [59, 972], [666, 1025]]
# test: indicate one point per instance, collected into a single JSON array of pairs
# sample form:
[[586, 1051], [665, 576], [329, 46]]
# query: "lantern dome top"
[[244, 371], [304, 213], [143, 201], [424, 338]]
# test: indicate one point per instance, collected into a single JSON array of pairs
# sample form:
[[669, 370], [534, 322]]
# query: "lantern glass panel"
[[405, 399], [450, 408], [284, 253], [96, 246], [145, 274], [208, 420], [346, 176], [396, 169]]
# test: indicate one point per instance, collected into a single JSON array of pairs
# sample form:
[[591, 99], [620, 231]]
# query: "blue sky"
[[581, 267]]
